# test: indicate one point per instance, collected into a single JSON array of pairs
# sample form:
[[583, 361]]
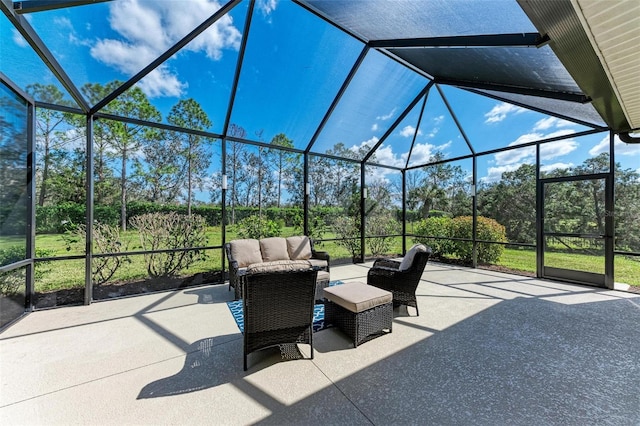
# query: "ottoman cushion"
[[357, 297]]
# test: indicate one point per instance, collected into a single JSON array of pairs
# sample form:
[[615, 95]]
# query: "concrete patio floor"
[[488, 348]]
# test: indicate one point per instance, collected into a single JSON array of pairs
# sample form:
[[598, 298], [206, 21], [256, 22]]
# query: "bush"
[[487, 230], [437, 232], [438, 227], [258, 227], [348, 229], [13, 282], [381, 224], [170, 231]]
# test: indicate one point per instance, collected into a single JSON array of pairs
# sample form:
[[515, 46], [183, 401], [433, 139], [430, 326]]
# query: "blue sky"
[[294, 66]]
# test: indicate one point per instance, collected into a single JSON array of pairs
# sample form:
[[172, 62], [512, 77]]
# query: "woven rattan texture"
[[385, 274], [362, 326], [278, 309]]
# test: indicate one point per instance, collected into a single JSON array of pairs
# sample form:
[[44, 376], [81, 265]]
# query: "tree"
[[283, 162], [189, 114], [48, 122], [235, 153], [161, 174], [124, 139], [512, 202]]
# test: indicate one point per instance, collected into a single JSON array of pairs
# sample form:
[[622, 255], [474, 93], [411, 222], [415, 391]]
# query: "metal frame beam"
[[488, 40], [26, 30], [166, 55], [44, 5], [563, 96]]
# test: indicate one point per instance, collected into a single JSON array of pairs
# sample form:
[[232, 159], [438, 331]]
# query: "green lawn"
[[70, 273]]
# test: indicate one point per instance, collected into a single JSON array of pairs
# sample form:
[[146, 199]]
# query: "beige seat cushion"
[[274, 248], [357, 297], [323, 276], [407, 261], [299, 248], [318, 263], [278, 266], [246, 252]]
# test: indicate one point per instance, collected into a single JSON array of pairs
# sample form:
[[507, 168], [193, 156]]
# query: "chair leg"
[[245, 362]]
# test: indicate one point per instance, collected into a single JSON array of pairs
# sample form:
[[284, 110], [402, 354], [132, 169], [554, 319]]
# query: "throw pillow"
[[274, 248], [411, 254], [299, 248], [246, 252]]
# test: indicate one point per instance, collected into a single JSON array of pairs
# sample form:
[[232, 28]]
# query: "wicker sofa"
[[274, 254]]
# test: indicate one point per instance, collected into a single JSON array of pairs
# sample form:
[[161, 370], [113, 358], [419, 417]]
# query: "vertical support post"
[[31, 207], [539, 218], [88, 276], [306, 190], [363, 197], [223, 200], [609, 217], [404, 211], [474, 208]]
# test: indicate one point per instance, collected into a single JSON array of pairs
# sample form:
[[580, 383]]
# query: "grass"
[[66, 274]]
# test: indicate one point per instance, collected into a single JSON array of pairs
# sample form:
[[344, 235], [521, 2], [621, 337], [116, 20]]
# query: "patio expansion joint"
[[335, 385]]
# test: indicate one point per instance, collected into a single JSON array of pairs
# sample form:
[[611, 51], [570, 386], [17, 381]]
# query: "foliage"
[[106, 240], [258, 227], [379, 226], [487, 230], [435, 233], [12, 282], [348, 230], [170, 231]]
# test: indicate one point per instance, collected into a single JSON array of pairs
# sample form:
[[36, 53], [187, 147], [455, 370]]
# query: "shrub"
[[170, 231], [258, 227], [106, 239], [487, 230], [435, 233], [12, 282], [379, 225], [348, 229]]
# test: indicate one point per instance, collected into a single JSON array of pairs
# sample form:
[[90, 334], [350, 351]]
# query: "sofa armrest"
[[386, 263], [321, 255]]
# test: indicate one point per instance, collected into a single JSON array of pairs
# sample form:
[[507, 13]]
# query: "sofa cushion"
[[278, 266], [357, 297], [318, 263], [411, 254], [274, 248], [246, 252], [299, 248]]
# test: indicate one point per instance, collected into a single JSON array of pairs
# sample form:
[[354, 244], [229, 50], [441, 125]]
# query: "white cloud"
[[549, 122], [620, 147], [267, 6], [494, 174], [409, 131], [148, 29], [374, 128], [385, 155], [555, 166], [368, 144], [18, 39], [501, 111], [388, 116], [548, 150]]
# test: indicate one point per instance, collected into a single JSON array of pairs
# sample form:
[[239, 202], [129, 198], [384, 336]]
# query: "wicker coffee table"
[[361, 311]]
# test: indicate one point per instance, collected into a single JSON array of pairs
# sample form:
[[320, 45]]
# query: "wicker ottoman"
[[361, 311], [321, 282]]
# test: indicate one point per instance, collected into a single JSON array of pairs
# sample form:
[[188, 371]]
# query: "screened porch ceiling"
[[321, 71]]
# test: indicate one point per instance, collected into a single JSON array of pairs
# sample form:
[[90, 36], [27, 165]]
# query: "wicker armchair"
[[386, 274], [278, 309]]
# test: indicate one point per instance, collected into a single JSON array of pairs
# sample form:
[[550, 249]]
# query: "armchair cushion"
[[274, 248], [299, 248], [411, 254], [246, 252]]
